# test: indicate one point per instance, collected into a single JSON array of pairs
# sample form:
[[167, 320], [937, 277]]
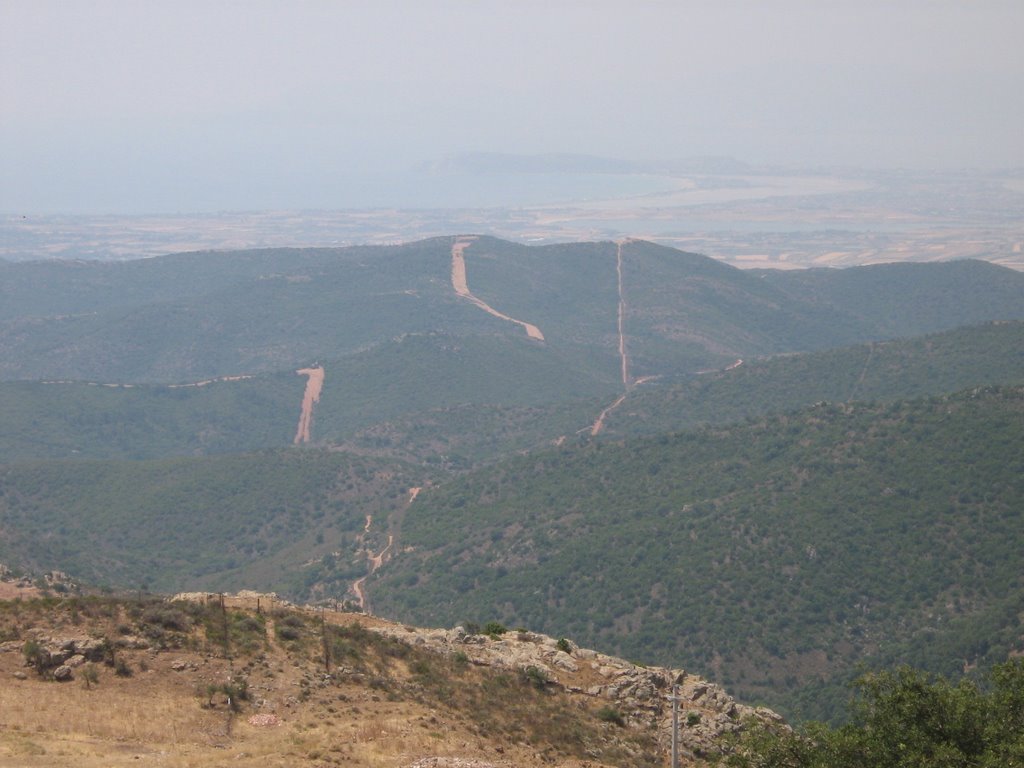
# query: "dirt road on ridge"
[[460, 286], [314, 385], [627, 382], [206, 382]]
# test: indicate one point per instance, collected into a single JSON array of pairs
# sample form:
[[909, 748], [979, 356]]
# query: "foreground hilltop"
[[202, 679]]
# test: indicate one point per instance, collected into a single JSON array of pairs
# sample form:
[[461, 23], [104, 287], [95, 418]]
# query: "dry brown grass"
[[394, 706]]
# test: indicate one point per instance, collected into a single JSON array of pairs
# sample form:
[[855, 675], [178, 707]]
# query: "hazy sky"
[[136, 105]]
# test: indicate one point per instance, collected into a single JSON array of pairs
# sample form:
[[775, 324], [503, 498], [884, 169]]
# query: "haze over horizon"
[[134, 107]]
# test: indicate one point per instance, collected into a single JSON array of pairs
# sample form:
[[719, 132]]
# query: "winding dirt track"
[[461, 287], [314, 384], [599, 424], [376, 561]]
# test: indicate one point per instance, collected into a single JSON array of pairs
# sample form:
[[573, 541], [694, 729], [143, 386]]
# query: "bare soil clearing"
[[314, 385], [10, 590]]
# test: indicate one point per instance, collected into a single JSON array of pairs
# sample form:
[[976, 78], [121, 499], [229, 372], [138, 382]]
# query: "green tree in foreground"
[[907, 719]]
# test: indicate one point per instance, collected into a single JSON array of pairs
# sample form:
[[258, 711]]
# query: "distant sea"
[[490, 190]]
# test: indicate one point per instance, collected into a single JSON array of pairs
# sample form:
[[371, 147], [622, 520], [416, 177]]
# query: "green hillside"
[[53, 287], [908, 299], [256, 521], [773, 523], [699, 313], [883, 371], [79, 420], [777, 555], [460, 400], [417, 373], [435, 378], [465, 436], [251, 317]]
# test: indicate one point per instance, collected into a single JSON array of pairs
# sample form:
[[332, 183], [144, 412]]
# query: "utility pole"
[[675, 698], [323, 638]]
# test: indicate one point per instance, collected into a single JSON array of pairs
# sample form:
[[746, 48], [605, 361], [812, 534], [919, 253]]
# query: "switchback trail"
[[460, 286], [376, 561], [314, 384]]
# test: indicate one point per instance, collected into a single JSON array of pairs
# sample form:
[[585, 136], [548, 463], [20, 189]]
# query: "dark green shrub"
[[122, 668], [235, 691], [248, 632], [341, 648], [906, 718], [168, 617], [536, 677], [610, 714], [494, 629], [290, 627], [36, 657]]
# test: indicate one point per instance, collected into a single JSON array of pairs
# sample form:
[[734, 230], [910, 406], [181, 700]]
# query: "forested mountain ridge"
[[898, 369], [190, 317], [904, 299], [451, 401], [778, 553], [640, 447], [773, 555], [264, 520]]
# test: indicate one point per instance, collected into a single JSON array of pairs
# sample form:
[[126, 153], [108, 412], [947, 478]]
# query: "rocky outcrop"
[[639, 694], [63, 673], [246, 599], [55, 651], [636, 694], [58, 657]]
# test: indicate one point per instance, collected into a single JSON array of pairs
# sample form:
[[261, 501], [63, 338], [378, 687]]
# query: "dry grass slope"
[[163, 672]]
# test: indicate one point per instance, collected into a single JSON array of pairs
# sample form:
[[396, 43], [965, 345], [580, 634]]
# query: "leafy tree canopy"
[[907, 719]]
